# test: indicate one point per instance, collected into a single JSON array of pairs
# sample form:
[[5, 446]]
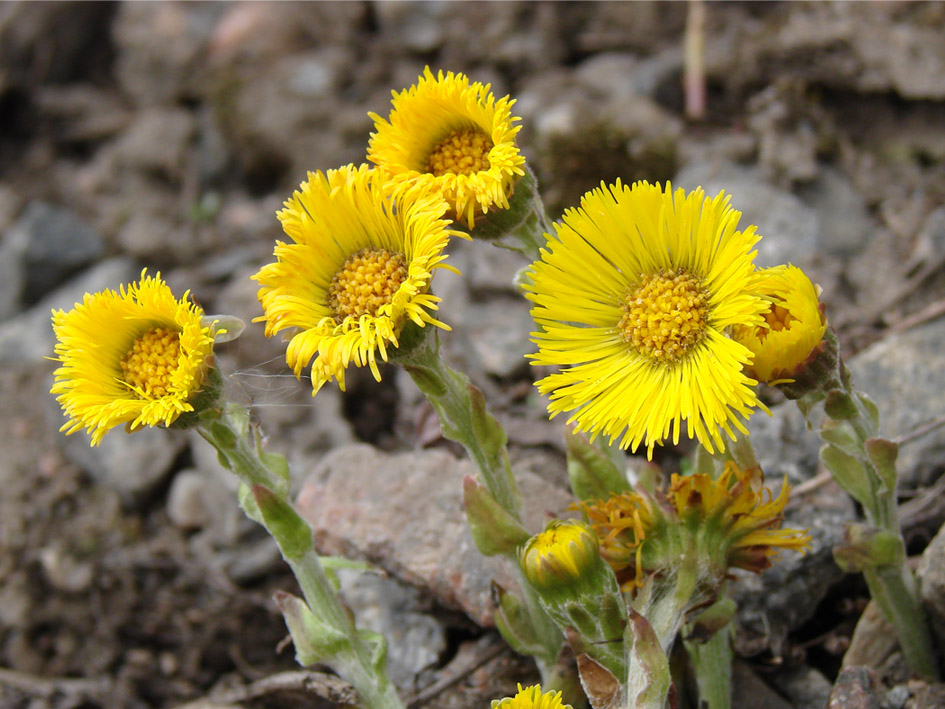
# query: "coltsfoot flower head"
[[564, 558], [730, 522], [794, 327], [635, 296], [138, 357], [453, 136], [358, 269], [531, 698]]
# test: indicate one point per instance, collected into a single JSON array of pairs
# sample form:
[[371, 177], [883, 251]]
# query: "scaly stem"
[[465, 420], [894, 591], [321, 629], [865, 466], [462, 411]]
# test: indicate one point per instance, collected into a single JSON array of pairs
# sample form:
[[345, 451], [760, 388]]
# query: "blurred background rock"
[[166, 135]]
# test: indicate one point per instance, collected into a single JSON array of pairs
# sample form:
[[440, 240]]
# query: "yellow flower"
[[635, 296], [358, 269], [531, 698], [454, 137], [137, 357], [564, 555], [727, 519], [794, 325]]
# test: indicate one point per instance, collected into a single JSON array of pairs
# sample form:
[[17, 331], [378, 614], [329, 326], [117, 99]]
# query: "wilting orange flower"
[[733, 521]]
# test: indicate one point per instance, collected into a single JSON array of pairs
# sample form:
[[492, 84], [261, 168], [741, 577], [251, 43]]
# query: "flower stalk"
[[864, 465], [464, 419], [462, 411], [711, 656], [322, 629]]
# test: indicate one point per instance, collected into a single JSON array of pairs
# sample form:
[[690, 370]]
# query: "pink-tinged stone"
[[404, 512]]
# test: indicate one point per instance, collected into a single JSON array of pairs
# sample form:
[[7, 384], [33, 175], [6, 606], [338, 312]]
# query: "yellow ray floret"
[[793, 329], [531, 698], [138, 357], [357, 270], [456, 138], [634, 297]]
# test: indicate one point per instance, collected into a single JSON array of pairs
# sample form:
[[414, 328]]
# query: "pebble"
[[854, 689], [132, 465]]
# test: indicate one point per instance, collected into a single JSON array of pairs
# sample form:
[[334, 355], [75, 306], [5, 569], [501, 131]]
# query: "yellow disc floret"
[[462, 152], [148, 365], [367, 281], [665, 315], [778, 319]]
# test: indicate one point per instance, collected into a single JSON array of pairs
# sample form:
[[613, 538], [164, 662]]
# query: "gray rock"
[[845, 224], [160, 49], [902, 374], [608, 74], [931, 575], [874, 639], [51, 244], [855, 688], [158, 141], [785, 596], [498, 330], [29, 337], [789, 229], [749, 690], [804, 686], [11, 278], [131, 465], [658, 73], [896, 697], [404, 512], [191, 501], [415, 639], [783, 444]]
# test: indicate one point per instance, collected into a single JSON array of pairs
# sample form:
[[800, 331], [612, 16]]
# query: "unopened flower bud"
[[564, 558], [794, 326]]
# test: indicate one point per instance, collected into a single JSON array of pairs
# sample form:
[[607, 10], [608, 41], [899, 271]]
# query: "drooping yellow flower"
[[731, 521], [794, 325], [531, 698], [453, 136], [137, 357], [635, 298], [357, 270]]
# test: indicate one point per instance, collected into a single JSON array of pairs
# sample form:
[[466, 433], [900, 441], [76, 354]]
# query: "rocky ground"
[[166, 135]]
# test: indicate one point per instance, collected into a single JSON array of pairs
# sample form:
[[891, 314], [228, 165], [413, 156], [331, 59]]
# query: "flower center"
[[462, 152], [778, 318], [665, 315], [368, 280], [148, 365]]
